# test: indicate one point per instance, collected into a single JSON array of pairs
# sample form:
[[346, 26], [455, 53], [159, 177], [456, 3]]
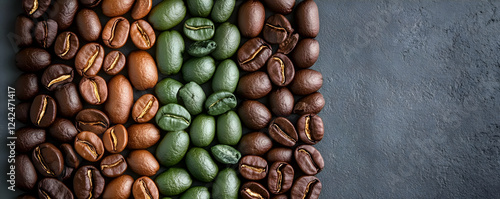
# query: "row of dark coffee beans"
[[281, 163]]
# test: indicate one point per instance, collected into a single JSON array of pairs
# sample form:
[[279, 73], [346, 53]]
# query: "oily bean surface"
[[63, 130], [281, 102], [253, 54], [280, 69], [255, 143], [309, 159], [306, 187], [88, 25], [28, 138], [251, 190], [63, 12], [310, 128], [253, 167], [307, 19], [68, 100], [251, 18], [282, 131], [254, 114], [254, 85], [306, 81]]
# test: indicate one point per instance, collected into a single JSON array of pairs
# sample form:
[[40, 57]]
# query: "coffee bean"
[[141, 9], [63, 12], [201, 165], [90, 3], [283, 132], [312, 103], [35, 8], [53, 188], [142, 34], [26, 86], [113, 165], [306, 187], [255, 143], [226, 184], [289, 44], [115, 139], [23, 112], [251, 17], [251, 190], [280, 69], [254, 85], [66, 174], [112, 8], [306, 81], [28, 138], [66, 46], [202, 48], [199, 29], [23, 28], [32, 59], [280, 177], [92, 120], [115, 32], [119, 188], [253, 167], [221, 11], [26, 176], [220, 102], [307, 18], [94, 90], [281, 102], [63, 130], [145, 108], [88, 25], [144, 187], [68, 100], [48, 160], [277, 29], [57, 75], [43, 111], [226, 35], [88, 182], [45, 32], [142, 136], [120, 99], [309, 159], [171, 46], [282, 6], [254, 114], [89, 146], [71, 158], [142, 70], [282, 196], [280, 155], [173, 117], [89, 59], [306, 53], [172, 148], [310, 128], [225, 154], [143, 163], [253, 54], [114, 62]]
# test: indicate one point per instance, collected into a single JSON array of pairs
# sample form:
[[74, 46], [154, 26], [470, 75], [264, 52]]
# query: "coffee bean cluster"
[[282, 162]]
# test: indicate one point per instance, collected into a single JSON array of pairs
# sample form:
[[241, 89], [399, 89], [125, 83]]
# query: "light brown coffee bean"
[[145, 108], [89, 59], [144, 187], [94, 90], [115, 32], [89, 146], [120, 99], [113, 8], [141, 8], [119, 188], [142, 136], [114, 62], [113, 165], [142, 34], [142, 70], [143, 162], [115, 139]]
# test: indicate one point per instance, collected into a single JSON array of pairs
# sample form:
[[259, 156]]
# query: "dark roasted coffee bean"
[[115, 139], [48, 160], [114, 62], [145, 108], [306, 81], [115, 32], [89, 146], [280, 69], [112, 8], [51, 188], [88, 183], [24, 26], [252, 190], [26, 176], [254, 114], [66, 46], [71, 158], [277, 29], [306, 53], [23, 112], [142, 34], [280, 155], [67, 173], [253, 167], [63, 12], [282, 196], [143, 163], [281, 102], [89, 59], [312, 103], [251, 17], [68, 100], [113, 165], [254, 85], [46, 32], [283, 132], [43, 111], [88, 25], [141, 8], [310, 128], [253, 54], [35, 8], [120, 99], [57, 75], [32, 59], [289, 44], [94, 90], [306, 187], [90, 3], [119, 188], [144, 187], [26, 86], [63, 130], [307, 18], [256, 143], [142, 70], [280, 177], [28, 138], [92, 120], [26, 196], [309, 159], [280, 6], [142, 136]]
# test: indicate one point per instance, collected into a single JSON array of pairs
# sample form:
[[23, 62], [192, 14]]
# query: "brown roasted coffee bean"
[[92, 120], [57, 75], [309, 159], [89, 59], [114, 62], [142, 34], [43, 111], [90, 3], [119, 188], [252, 190], [23, 28], [35, 8], [89, 146], [26, 176], [45, 32], [312, 103], [26, 196], [280, 69], [251, 17], [142, 136], [310, 128], [26, 86], [281, 102], [255, 143], [254, 85], [254, 54], [115, 33], [276, 29], [145, 108], [141, 8], [120, 99], [53, 188], [280, 177], [88, 183], [88, 25], [306, 81], [113, 165], [289, 44], [32, 59], [48, 160], [144, 187], [66, 46], [63, 12], [113, 8], [253, 167], [23, 112], [282, 196], [283, 132], [142, 70], [28, 138], [307, 18], [254, 114], [280, 155], [115, 139], [66, 174], [68, 100], [306, 187], [63, 130], [306, 53], [143, 163], [71, 158], [280, 6], [94, 90]]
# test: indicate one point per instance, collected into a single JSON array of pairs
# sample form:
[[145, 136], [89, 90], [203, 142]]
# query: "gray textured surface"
[[413, 97]]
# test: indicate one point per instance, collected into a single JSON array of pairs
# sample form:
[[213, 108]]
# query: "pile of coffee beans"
[[282, 162]]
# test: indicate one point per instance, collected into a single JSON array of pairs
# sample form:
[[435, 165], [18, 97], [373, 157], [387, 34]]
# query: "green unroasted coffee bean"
[[201, 165], [226, 77], [173, 117], [199, 29], [227, 36], [173, 182], [226, 185], [201, 48], [167, 14], [169, 49], [225, 154], [222, 10], [172, 148], [166, 90], [196, 193], [198, 70], [220, 102], [200, 8], [192, 97], [229, 128], [202, 130]]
